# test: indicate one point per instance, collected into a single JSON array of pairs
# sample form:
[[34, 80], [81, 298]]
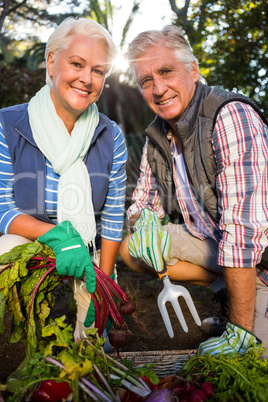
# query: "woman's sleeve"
[[8, 208], [113, 211]]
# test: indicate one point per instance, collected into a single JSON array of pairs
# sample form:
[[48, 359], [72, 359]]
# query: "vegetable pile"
[[26, 286], [233, 377], [76, 371]]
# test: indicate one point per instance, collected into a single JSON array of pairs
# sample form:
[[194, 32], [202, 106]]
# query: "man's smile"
[[165, 101]]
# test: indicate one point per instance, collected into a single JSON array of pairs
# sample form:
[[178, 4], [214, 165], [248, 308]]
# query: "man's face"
[[165, 84]]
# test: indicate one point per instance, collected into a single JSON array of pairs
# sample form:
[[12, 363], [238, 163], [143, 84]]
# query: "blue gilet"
[[30, 167]]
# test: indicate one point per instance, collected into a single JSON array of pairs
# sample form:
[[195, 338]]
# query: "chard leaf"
[[14, 305], [12, 275], [2, 312], [62, 335], [23, 251], [74, 366], [17, 332]]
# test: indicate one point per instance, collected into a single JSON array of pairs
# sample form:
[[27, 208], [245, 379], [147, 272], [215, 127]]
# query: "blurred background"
[[229, 38]]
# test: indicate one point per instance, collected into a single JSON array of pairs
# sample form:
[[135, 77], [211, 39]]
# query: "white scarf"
[[66, 153]]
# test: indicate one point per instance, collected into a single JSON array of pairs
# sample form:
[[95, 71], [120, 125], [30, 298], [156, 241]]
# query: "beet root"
[[119, 337], [128, 308]]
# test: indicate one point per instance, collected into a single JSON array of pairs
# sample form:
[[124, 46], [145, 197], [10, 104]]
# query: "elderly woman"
[[63, 163]]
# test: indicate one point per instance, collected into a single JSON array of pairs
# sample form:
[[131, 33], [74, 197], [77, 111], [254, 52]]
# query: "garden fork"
[[170, 293]]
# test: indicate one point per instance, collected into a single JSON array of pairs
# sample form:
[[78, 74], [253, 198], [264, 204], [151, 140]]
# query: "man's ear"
[[195, 72], [50, 62]]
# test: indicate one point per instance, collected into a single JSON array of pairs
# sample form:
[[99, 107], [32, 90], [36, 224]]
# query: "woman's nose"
[[86, 76]]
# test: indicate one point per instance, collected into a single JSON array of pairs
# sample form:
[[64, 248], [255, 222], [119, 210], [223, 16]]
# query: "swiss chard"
[[83, 365], [27, 292]]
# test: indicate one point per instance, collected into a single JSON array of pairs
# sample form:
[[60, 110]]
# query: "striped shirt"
[[239, 141], [112, 217]]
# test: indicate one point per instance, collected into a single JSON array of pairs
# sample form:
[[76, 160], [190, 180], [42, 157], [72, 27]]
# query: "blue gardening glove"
[[235, 339], [90, 318], [150, 242], [72, 256]]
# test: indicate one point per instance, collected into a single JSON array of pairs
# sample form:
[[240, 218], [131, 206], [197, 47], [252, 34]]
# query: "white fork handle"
[[171, 293], [161, 301]]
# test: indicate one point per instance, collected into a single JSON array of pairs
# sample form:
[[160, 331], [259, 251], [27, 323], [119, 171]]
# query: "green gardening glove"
[[90, 318], [72, 256], [150, 242], [235, 339]]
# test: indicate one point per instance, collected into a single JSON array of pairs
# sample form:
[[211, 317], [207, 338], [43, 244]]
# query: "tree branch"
[[180, 12]]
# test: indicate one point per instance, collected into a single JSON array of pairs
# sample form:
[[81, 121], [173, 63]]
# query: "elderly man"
[[204, 166]]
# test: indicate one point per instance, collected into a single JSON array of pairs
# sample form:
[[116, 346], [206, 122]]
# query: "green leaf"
[[61, 333], [74, 366], [21, 252], [2, 312]]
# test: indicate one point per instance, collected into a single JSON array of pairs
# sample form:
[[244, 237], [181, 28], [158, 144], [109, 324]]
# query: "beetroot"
[[128, 308], [207, 387], [197, 396], [119, 337]]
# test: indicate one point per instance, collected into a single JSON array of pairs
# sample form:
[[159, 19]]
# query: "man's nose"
[[159, 86]]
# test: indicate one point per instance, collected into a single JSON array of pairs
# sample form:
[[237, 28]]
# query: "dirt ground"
[[144, 291]]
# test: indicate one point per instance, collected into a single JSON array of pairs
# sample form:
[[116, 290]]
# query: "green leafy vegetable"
[[27, 291], [234, 377], [82, 364]]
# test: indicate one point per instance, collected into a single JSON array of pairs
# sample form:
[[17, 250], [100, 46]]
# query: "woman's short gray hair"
[[71, 27], [171, 37]]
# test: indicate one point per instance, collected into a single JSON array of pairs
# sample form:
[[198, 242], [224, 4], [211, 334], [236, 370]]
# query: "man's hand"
[[150, 242], [72, 256], [234, 339]]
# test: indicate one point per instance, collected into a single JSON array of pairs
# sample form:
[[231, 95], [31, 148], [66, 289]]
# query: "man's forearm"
[[241, 287]]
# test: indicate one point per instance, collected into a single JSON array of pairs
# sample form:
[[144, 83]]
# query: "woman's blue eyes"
[[97, 71]]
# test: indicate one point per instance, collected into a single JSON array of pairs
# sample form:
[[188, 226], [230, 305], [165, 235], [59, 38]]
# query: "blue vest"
[[30, 169]]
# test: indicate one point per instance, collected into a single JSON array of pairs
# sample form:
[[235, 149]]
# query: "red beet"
[[119, 337], [128, 308], [207, 387], [197, 396]]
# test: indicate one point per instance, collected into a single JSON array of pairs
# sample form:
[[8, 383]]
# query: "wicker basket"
[[166, 362]]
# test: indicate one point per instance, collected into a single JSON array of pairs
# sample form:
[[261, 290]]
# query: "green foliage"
[[19, 84], [233, 376], [27, 293], [229, 38], [83, 364]]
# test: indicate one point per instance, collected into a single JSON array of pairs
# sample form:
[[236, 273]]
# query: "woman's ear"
[[50, 61]]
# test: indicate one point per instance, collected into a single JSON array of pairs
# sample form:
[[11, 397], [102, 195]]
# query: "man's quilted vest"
[[195, 131]]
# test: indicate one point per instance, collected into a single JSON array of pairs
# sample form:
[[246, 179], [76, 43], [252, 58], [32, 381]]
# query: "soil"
[[149, 335]]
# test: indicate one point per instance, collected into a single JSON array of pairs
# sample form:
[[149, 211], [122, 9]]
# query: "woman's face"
[[77, 74]]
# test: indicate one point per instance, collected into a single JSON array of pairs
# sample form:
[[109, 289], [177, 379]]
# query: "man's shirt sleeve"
[[240, 144]]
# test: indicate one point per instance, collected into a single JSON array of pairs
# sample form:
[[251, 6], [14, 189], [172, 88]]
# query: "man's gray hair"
[[171, 37], [71, 27]]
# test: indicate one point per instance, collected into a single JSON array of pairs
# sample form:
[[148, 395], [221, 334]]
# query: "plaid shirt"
[[240, 145]]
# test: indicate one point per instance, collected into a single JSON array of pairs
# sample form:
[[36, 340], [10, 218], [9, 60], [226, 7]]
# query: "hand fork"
[[171, 293]]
